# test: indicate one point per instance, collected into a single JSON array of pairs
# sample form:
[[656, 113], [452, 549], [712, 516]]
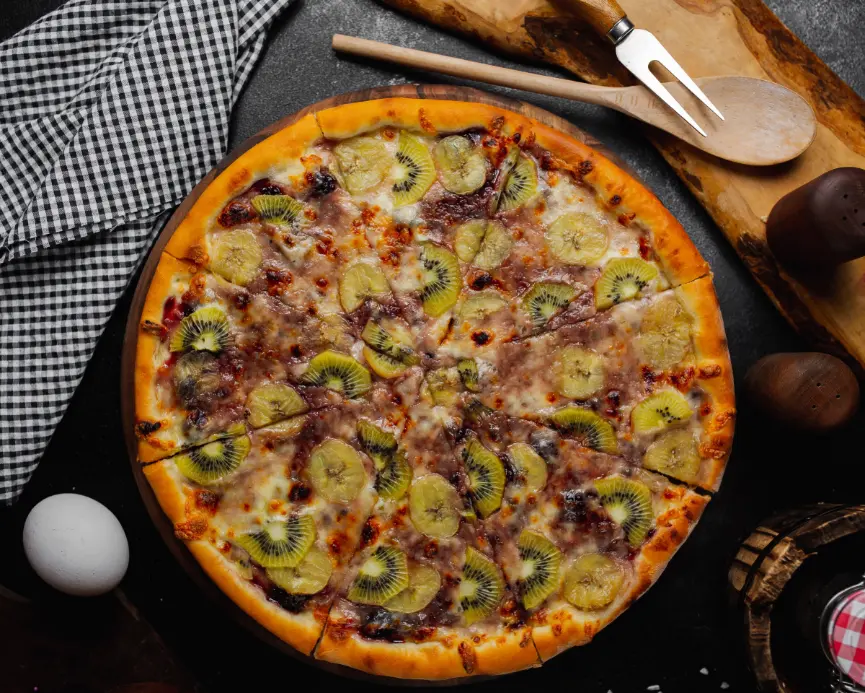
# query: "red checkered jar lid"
[[846, 634]]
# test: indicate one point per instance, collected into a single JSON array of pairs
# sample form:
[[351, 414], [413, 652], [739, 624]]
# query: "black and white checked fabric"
[[110, 113]]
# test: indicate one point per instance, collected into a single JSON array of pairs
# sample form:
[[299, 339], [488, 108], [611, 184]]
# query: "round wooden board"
[[127, 376]]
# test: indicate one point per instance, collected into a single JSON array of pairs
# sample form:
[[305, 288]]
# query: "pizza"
[[430, 389]]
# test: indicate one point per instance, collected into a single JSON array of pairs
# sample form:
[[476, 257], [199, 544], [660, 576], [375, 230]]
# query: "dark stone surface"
[[684, 623]]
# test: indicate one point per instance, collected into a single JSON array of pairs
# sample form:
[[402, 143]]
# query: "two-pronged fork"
[[637, 49]]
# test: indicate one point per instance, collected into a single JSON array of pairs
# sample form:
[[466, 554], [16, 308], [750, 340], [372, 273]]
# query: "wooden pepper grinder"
[[809, 391], [822, 224]]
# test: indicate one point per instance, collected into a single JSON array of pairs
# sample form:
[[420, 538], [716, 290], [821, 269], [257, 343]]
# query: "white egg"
[[76, 545]]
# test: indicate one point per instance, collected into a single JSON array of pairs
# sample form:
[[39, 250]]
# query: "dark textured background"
[[687, 621]]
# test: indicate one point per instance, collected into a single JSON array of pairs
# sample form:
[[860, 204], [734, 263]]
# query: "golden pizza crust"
[[450, 656], [147, 411], [714, 374], [567, 627], [189, 241], [301, 631]]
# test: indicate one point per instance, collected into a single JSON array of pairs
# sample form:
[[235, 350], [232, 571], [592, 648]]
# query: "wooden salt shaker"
[[822, 224]]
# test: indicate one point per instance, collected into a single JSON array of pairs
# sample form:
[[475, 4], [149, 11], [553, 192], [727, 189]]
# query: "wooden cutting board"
[[712, 37]]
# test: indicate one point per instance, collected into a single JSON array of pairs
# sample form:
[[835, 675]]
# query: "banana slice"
[[530, 466], [462, 166], [468, 239], [675, 454], [424, 584], [434, 506], [236, 256], [359, 282], [577, 238], [363, 163], [495, 247], [273, 402], [665, 334], [481, 305], [592, 581], [310, 576], [580, 372], [336, 471]]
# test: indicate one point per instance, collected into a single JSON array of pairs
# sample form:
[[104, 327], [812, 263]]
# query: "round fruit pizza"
[[430, 389]]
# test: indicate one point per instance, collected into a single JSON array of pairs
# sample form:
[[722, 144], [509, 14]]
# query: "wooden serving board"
[[127, 377], [712, 37]]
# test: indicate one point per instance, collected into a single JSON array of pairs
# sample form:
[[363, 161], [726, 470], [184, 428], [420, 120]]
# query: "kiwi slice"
[[442, 280], [577, 238], [424, 584], [279, 209], [205, 330], [521, 185], [656, 412], [587, 427], [539, 576], [382, 576], [546, 299], [379, 444], [468, 370], [481, 587], [445, 385], [338, 372], [622, 280], [481, 305], [196, 374], [363, 162], [309, 576], [359, 282], [462, 166], [393, 343], [665, 334], [434, 506], [336, 471], [675, 454], [272, 402], [235, 256], [468, 238], [415, 170], [530, 467], [281, 544], [580, 372], [382, 365], [211, 462], [629, 505], [486, 477], [592, 581], [394, 478]]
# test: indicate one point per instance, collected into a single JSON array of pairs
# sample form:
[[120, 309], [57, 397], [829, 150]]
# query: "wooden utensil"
[[765, 123], [809, 391]]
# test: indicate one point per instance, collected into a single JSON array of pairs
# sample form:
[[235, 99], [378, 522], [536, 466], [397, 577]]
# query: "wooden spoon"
[[765, 123]]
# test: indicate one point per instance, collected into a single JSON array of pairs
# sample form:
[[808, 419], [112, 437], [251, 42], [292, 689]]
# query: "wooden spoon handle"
[[479, 72], [601, 14]]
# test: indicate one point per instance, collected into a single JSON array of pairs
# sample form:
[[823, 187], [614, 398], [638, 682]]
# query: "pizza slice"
[[423, 598], [274, 516], [647, 380]]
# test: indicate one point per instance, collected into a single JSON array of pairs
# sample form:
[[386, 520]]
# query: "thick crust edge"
[[565, 628], [150, 447], [188, 241], [301, 631], [714, 372], [435, 660]]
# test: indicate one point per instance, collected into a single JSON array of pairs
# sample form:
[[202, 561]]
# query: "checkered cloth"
[[847, 636], [110, 113]]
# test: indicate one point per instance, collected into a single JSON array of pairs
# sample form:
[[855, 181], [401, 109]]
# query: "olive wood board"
[[127, 378], [710, 38]]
